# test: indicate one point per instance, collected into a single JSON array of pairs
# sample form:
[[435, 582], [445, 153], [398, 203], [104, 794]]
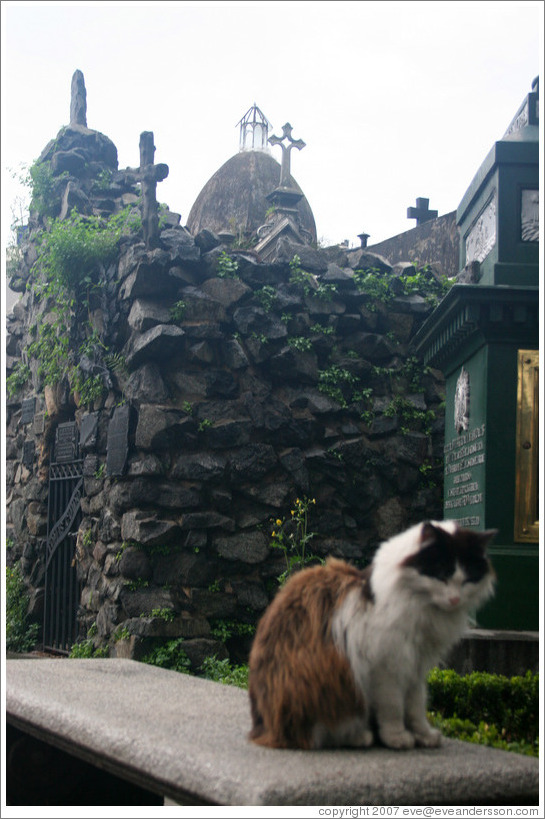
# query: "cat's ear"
[[428, 534], [482, 539]]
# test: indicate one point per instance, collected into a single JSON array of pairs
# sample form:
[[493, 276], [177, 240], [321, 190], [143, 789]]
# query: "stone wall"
[[268, 383], [436, 242]]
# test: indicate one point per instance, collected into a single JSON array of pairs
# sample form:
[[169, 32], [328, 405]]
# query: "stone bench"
[[116, 729]]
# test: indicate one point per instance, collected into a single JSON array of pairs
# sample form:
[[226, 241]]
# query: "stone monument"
[[484, 336]]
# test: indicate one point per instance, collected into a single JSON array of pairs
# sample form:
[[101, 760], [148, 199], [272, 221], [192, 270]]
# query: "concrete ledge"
[[185, 738]]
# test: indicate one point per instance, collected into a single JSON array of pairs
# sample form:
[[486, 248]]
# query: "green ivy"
[[21, 635]]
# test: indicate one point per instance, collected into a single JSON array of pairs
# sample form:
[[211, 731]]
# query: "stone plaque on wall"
[[28, 407], [117, 447], [39, 424], [29, 449], [89, 431], [66, 443]]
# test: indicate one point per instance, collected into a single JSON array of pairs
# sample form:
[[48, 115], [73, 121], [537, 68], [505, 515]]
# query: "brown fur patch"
[[298, 678]]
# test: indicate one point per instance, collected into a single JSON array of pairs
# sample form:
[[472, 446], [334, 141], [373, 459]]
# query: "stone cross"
[[148, 175], [421, 212], [78, 100], [286, 149]]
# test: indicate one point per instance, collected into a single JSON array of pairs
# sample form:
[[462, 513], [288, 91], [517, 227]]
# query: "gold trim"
[[527, 448]]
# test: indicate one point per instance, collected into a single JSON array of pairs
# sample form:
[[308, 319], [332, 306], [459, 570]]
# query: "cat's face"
[[450, 567]]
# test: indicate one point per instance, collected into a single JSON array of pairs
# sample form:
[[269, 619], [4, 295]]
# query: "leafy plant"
[[223, 672], [18, 378], [308, 283], [227, 267], [45, 189], [170, 655], [300, 343], [409, 415], [335, 381], [292, 537], [21, 635], [225, 629], [267, 297], [165, 613], [177, 311], [72, 250]]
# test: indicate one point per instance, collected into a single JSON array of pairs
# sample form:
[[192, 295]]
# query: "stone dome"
[[235, 198]]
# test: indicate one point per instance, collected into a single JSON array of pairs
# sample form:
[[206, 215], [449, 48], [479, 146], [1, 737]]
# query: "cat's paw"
[[431, 738], [400, 740]]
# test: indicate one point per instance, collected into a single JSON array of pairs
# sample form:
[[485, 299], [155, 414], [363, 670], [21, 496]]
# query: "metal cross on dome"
[[286, 149]]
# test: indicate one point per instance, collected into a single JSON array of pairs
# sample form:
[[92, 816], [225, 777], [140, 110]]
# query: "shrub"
[[487, 707], [21, 635]]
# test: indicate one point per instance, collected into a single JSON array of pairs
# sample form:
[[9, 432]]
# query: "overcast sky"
[[394, 100]]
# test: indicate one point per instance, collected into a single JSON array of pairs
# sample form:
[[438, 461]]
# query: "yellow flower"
[[279, 522], [273, 534], [293, 511]]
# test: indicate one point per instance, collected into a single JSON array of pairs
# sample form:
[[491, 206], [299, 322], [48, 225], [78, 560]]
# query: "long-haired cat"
[[341, 652]]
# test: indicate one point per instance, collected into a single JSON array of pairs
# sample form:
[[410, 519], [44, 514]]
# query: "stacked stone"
[[228, 425]]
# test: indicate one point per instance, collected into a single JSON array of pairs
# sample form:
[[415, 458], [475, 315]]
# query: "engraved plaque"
[[529, 215], [117, 447], [39, 424], [482, 236], [66, 442], [89, 431], [28, 408], [29, 449]]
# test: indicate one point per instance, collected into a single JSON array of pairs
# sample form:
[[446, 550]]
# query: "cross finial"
[[421, 212], [293, 143], [78, 100]]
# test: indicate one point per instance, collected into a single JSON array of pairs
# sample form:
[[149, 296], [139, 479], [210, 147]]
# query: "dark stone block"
[[249, 547], [200, 466], [207, 240], [117, 447], [148, 529], [161, 343], [206, 520], [200, 648], [252, 462], [251, 594], [135, 564]]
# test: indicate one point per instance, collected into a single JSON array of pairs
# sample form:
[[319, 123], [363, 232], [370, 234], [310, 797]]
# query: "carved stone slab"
[[28, 407], [117, 446], [89, 431], [29, 449], [66, 442], [39, 424]]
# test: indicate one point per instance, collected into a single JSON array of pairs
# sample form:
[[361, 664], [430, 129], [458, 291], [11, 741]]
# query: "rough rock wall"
[[265, 384]]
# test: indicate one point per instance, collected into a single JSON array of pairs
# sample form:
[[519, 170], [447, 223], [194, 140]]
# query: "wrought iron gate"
[[62, 589]]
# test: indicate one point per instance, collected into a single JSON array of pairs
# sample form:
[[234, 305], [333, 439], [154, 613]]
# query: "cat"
[[342, 653]]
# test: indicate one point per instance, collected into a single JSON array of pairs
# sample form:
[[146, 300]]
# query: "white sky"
[[394, 100]]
